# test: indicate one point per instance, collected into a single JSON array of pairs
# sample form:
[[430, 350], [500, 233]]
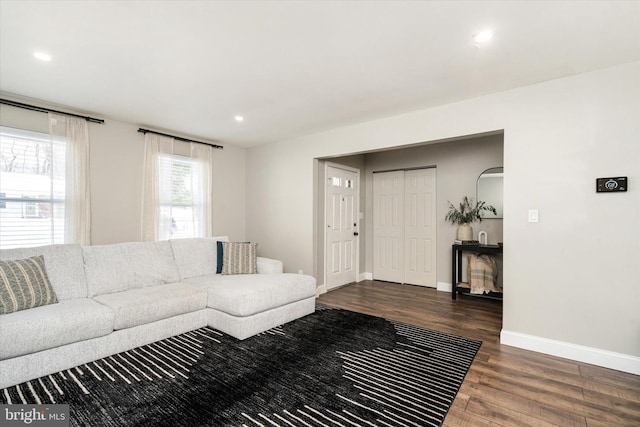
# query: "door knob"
[[355, 233]]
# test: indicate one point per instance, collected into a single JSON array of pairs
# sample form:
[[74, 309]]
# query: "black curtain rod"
[[48, 110], [179, 138]]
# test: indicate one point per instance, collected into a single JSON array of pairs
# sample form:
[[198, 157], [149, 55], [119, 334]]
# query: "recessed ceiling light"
[[42, 56], [482, 37], [239, 119]]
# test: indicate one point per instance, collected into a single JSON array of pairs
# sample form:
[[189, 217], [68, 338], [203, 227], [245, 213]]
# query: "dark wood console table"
[[456, 267]]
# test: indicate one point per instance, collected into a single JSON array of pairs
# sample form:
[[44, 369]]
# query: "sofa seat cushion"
[[49, 326], [145, 305], [247, 294]]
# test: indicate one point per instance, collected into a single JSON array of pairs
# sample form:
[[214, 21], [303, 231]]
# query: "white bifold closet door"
[[404, 226]]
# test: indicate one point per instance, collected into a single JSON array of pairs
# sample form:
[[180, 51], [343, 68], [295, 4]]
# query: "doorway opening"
[[458, 161]]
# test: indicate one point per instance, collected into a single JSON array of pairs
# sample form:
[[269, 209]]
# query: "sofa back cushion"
[[124, 266], [64, 266], [196, 256]]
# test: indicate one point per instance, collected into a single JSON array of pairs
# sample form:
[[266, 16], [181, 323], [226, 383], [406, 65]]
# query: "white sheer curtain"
[[176, 197], [156, 188], [77, 218], [201, 172]]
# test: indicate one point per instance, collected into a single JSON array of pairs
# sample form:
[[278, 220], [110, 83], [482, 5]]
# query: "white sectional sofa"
[[116, 297]]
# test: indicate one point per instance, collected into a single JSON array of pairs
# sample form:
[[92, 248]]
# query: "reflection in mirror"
[[490, 189]]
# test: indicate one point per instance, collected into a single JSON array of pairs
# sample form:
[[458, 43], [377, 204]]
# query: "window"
[[32, 189], [176, 190], [177, 206]]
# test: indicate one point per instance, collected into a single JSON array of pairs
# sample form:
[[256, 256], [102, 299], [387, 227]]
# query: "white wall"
[[117, 152], [574, 276]]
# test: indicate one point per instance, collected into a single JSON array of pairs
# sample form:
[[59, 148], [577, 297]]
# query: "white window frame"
[[190, 229]]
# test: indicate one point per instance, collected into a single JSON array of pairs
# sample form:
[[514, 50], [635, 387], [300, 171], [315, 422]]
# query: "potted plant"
[[466, 214]]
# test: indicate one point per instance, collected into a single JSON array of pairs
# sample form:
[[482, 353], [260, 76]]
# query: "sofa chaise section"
[[243, 305]]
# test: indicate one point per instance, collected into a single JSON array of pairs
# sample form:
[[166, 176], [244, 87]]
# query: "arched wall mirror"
[[489, 189]]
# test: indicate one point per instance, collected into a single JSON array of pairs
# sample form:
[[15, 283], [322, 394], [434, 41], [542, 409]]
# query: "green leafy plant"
[[467, 212]]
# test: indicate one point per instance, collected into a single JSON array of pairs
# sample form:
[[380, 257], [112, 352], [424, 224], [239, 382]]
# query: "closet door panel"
[[388, 226], [420, 227]]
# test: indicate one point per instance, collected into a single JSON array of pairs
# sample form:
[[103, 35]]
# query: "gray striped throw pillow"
[[24, 284], [239, 258]]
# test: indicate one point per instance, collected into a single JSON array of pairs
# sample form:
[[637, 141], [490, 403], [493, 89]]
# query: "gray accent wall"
[[458, 165]]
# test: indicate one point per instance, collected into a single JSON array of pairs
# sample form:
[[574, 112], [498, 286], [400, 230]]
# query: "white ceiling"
[[294, 68]]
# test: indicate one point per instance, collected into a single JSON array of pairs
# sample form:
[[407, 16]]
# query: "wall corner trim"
[[365, 276], [321, 289], [607, 359]]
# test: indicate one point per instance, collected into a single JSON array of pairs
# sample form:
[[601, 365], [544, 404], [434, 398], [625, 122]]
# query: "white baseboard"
[[444, 287], [365, 276], [580, 353], [321, 289]]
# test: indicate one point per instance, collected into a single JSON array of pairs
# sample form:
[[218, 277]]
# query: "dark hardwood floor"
[[505, 386]]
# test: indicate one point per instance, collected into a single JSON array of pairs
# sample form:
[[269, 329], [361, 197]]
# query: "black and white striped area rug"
[[331, 368]]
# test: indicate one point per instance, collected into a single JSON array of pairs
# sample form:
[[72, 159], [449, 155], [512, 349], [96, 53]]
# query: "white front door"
[[404, 227], [342, 226]]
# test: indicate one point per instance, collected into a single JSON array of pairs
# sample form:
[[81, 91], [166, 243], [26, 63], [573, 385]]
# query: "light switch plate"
[[533, 215]]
